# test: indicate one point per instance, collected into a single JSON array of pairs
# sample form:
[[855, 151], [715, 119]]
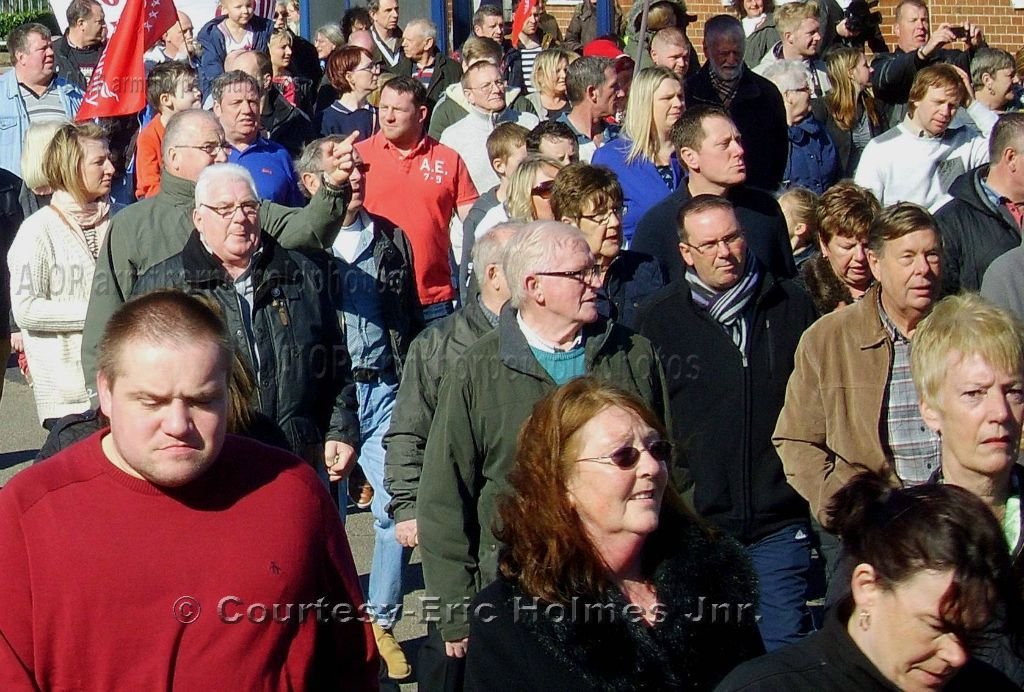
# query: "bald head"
[[186, 131], [361, 38]]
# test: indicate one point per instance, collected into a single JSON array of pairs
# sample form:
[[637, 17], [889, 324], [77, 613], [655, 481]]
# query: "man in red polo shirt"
[[417, 184]]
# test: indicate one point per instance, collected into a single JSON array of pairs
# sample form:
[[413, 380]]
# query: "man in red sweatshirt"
[[161, 553]]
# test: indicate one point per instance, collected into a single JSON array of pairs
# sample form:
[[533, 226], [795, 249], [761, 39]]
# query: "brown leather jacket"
[[829, 428]]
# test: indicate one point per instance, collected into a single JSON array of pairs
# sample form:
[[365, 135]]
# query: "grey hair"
[[489, 248], [227, 80], [219, 172], [332, 32], [787, 75], [721, 26], [989, 61], [426, 27], [536, 248], [181, 126]]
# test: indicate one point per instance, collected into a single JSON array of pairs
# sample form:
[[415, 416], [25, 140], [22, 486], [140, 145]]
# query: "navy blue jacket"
[[812, 162], [211, 38]]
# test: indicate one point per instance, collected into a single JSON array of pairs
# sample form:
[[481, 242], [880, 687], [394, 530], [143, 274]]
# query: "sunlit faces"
[[720, 157], [570, 298], [228, 222], [807, 38], [672, 56], [386, 16], [560, 72], [602, 227], [485, 89], [613, 502], [365, 77], [798, 102], [239, 12], [280, 50], [861, 74], [414, 44], [323, 46], [908, 269], [668, 104], [753, 8], [608, 94], [848, 258], [401, 120], [911, 28], [239, 112], [186, 96], [935, 111], [978, 412], [490, 27], [725, 55], [36, 64], [167, 409], [1000, 85], [540, 196], [564, 150], [187, 160], [715, 247], [97, 169], [93, 28], [532, 21], [906, 637]]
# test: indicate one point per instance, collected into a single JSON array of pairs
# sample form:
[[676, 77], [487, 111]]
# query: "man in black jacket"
[[421, 59], [754, 104], [77, 52], [726, 336], [916, 48], [708, 144], [983, 220]]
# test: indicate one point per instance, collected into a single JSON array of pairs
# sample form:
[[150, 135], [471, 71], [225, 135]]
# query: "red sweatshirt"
[[148, 155], [99, 567]]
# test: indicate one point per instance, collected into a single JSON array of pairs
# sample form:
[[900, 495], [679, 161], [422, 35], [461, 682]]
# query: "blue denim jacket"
[[14, 118]]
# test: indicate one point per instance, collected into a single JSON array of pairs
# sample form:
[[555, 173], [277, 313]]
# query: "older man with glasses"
[[727, 335], [152, 230], [277, 307], [549, 334]]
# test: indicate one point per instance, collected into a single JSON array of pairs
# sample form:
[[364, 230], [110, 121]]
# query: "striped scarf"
[[728, 307]]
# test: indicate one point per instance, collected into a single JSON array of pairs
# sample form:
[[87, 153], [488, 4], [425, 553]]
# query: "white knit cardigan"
[[51, 279]]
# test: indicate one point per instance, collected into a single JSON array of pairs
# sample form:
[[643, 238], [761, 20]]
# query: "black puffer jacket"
[[304, 376], [725, 404], [974, 233]]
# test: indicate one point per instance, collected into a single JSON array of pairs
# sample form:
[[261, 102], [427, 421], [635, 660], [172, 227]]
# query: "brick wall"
[[1003, 25]]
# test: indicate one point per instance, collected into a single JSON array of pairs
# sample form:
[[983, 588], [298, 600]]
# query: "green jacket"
[[484, 400], [148, 232], [431, 355]]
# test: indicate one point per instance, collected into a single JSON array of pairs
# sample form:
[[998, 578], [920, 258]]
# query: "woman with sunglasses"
[[529, 194], [353, 74], [606, 581]]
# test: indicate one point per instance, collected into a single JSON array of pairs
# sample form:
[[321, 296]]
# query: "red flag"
[[118, 84], [519, 18]]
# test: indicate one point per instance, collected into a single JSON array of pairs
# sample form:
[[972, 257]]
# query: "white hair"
[[788, 75], [536, 248], [217, 173], [426, 27]]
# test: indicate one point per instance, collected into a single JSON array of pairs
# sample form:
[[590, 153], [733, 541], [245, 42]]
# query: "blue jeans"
[[782, 561], [376, 400]]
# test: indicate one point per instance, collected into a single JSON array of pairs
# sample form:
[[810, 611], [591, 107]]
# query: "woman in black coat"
[[602, 586]]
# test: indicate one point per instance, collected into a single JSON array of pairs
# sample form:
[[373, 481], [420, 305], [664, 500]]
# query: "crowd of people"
[[703, 371]]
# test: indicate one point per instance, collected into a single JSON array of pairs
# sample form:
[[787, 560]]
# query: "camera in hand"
[[959, 31], [860, 19]]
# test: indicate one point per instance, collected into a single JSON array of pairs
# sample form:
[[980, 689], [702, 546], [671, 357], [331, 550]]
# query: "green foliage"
[[12, 19]]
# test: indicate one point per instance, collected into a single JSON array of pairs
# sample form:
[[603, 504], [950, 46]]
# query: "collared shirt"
[[44, 107], [997, 200], [361, 309], [272, 169], [419, 192], [916, 449], [538, 342], [919, 131], [586, 145]]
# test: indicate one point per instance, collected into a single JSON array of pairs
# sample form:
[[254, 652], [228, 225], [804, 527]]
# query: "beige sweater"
[[51, 278]]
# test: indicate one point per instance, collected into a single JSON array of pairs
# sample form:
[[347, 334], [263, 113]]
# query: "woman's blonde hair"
[[33, 153], [840, 62], [639, 124], [519, 204], [65, 155], [545, 68], [969, 325]]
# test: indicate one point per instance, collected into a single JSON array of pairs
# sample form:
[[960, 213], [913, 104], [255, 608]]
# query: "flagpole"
[[642, 36]]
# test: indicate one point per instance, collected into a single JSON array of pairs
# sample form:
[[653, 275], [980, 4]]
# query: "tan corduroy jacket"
[[830, 426]]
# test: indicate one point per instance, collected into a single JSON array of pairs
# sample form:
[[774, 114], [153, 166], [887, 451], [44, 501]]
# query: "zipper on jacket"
[[771, 347]]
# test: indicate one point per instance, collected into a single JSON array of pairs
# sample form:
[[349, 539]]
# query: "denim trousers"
[[376, 400], [787, 580]]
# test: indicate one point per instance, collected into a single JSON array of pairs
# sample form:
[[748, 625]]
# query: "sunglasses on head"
[[628, 457], [543, 190]]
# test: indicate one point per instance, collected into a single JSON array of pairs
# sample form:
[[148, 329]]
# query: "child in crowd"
[[800, 207], [170, 87], [238, 28], [506, 148], [554, 139]]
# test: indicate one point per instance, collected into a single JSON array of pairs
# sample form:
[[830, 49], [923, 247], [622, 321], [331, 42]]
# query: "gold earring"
[[864, 620]]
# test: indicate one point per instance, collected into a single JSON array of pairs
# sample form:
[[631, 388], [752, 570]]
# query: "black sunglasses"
[[543, 190], [628, 457]]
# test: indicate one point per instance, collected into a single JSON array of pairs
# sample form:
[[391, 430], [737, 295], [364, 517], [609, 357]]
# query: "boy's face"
[[239, 11], [563, 150], [186, 96], [507, 166]]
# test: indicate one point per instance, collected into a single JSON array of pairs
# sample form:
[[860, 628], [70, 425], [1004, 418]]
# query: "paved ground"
[[21, 436]]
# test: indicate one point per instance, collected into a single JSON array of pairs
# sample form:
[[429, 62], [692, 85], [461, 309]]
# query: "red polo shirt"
[[419, 193]]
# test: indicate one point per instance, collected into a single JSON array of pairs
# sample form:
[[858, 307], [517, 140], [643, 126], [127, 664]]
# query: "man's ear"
[[689, 157], [105, 391]]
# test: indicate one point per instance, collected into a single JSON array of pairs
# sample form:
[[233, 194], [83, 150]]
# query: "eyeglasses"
[[628, 457], [730, 241], [543, 190], [372, 68], [587, 275], [249, 209], [208, 149], [604, 218], [499, 85]]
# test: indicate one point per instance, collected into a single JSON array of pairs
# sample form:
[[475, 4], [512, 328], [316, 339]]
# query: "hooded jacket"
[[453, 107], [974, 233], [468, 136]]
